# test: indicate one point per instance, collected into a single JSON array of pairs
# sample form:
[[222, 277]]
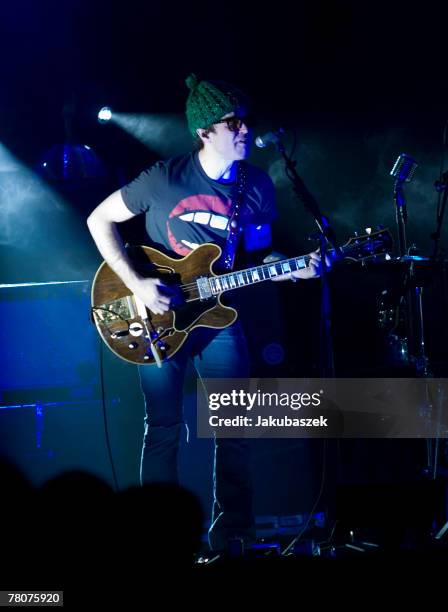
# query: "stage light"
[[105, 114]]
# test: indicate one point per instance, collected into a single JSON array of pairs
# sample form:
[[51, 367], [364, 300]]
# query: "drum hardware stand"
[[403, 172], [441, 187]]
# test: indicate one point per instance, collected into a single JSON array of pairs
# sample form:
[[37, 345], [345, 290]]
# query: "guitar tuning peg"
[[368, 230]]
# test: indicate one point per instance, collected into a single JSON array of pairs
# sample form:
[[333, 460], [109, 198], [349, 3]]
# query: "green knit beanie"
[[208, 101]]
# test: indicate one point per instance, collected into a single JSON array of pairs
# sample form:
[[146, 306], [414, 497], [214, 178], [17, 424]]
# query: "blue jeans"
[[216, 354]]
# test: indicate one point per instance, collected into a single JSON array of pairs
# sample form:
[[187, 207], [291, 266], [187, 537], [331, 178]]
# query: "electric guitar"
[[137, 335]]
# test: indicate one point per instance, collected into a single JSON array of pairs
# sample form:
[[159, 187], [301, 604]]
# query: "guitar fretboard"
[[241, 278]]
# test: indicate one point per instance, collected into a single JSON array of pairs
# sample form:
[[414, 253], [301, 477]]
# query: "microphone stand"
[[414, 303], [326, 235], [401, 215], [441, 186]]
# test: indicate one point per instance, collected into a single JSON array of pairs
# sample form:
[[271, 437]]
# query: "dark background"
[[358, 82]]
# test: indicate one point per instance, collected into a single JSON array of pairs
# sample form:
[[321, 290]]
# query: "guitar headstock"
[[369, 244]]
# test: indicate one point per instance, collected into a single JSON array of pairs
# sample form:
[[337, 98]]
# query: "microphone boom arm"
[[309, 201], [327, 365]]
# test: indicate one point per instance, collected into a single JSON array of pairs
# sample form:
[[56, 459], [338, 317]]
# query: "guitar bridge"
[[204, 288]]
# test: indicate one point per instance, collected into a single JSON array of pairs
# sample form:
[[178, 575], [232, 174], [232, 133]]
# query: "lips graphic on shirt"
[[203, 209]]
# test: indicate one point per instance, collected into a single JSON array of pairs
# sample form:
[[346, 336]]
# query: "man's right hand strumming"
[[102, 225], [153, 293]]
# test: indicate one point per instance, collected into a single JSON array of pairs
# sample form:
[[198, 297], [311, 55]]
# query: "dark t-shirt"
[[185, 208]]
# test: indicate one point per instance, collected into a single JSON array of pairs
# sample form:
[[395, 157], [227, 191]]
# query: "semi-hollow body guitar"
[[137, 335]]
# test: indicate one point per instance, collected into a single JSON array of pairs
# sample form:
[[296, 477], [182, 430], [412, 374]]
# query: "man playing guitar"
[[210, 195]]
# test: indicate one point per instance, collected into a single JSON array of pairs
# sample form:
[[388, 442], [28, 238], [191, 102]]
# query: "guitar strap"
[[235, 228]]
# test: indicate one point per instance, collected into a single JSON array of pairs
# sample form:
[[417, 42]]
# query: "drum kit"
[[400, 309]]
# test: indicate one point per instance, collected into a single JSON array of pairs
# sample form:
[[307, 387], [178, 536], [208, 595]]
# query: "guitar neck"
[[357, 249], [257, 274]]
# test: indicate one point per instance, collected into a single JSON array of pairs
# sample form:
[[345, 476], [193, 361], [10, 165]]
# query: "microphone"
[[262, 141], [404, 168]]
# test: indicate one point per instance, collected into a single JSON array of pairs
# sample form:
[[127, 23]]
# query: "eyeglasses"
[[234, 123]]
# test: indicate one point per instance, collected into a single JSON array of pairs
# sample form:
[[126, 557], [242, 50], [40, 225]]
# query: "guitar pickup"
[[204, 288]]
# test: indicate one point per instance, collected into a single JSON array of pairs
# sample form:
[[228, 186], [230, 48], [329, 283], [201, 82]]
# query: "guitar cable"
[[200, 378], [319, 495], [106, 427]]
